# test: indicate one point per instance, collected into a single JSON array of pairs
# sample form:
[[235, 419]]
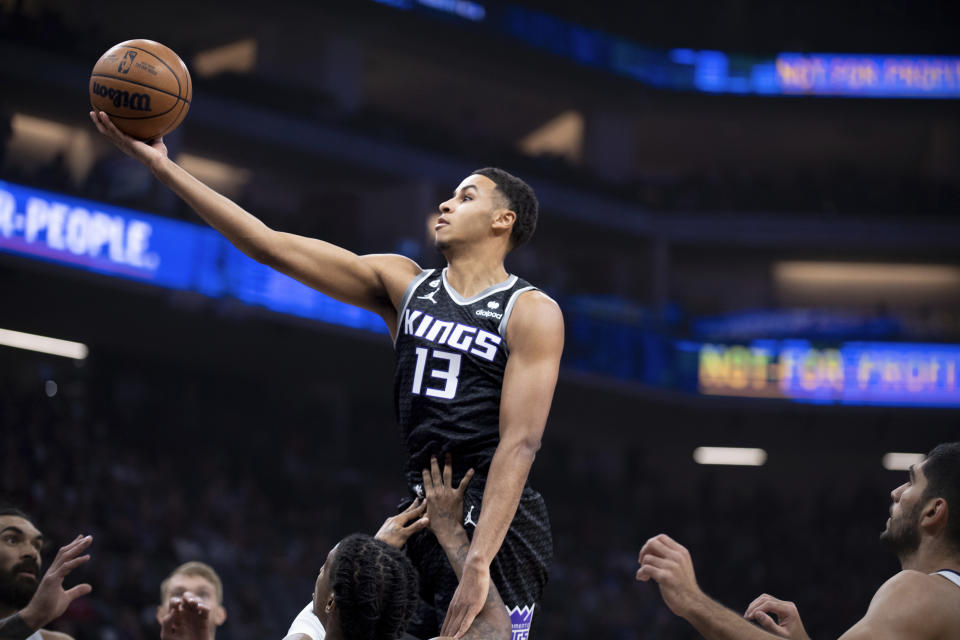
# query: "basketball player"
[[922, 602], [28, 603], [478, 352], [203, 583]]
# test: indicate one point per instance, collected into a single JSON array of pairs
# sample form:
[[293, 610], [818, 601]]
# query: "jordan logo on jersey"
[[430, 296], [453, 334]]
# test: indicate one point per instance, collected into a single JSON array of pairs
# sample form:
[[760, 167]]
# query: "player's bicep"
[[535, 340], [362, 281]]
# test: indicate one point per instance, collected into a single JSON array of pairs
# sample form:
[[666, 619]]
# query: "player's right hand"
[[51, 599], [444, 501], [187, 619], [790, 625], [396, 530], [151, 153]]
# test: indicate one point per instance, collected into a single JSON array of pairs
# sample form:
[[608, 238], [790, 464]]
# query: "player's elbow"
[[266, 248], [525, 446]]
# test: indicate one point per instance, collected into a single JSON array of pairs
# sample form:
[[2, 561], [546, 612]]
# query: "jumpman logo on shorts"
[[469, 518], [429, 296]]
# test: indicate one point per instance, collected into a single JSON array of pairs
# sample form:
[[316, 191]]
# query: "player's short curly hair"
[[942, 471], [520, 199], [375, 588]]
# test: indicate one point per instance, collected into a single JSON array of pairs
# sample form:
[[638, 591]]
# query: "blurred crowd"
[[164, 467]]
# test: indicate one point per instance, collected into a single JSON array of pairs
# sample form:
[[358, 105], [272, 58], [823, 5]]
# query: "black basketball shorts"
[[519, 570]]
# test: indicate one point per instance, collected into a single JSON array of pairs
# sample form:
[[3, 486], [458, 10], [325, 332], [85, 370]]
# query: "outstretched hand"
[[790, 625], [444, 501], [187, 619], [150, 153], [396, 530], [51, 599], [668, 563]]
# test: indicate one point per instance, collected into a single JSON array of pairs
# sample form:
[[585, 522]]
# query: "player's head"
[[928, 504], [366, 590], [199, 579], [489, 204], [20, 545]]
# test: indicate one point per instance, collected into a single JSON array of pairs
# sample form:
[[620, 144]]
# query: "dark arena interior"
[[748, 216]]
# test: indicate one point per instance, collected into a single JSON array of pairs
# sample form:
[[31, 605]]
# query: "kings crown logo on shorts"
[[520, 619]]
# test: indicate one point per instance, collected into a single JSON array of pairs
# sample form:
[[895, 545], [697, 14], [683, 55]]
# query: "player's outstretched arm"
[[51, 599], [444, 511], [375, 282], [668, 563], [535, 339]]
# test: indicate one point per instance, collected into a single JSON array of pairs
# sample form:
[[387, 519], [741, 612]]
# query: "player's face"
[[902, 533], [20, 545], [467, 216], [323, 592]]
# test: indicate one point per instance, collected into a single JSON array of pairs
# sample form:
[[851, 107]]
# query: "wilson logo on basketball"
[[125, 99], [127, 62]]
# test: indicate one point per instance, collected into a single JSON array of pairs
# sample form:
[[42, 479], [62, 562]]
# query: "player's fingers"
[[78, 591], [427, 483], [70, 565], [435, 471], [448, 470], [417, 525], [464, 481], [411, 515], [778, 607], [767, 623]]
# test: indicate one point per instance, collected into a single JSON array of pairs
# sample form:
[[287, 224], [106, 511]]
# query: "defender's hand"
[[790, 624], [668, 563], [444, 501], [467, 601], [151, 153], [51, 599], [187, 619], [397, 529]]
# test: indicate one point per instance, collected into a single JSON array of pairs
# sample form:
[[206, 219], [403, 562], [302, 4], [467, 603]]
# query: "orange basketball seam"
[[179, 87], [140, 84]]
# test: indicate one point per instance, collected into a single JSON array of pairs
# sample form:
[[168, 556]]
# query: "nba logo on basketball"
[[520, 619], [127, 62]]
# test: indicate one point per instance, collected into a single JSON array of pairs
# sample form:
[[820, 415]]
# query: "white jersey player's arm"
[[306, 626], [373, 282]]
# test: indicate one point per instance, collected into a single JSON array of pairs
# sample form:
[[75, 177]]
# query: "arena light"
[[43, 344], [901, 461], [239, 57], [734, 456]]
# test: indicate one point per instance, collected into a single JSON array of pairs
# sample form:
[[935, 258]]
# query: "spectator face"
[[20, 545], [200, 587], [902, 533]]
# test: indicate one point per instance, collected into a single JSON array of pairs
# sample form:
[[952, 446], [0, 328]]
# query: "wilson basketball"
[[143, 86]]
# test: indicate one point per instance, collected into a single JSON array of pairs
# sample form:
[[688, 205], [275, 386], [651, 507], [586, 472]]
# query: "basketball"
[[143, 86]]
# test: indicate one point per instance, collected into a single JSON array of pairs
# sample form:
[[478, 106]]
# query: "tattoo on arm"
[[14, 628]]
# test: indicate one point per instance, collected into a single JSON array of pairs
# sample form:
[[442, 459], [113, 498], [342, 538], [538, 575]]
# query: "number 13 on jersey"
[[449, 375]]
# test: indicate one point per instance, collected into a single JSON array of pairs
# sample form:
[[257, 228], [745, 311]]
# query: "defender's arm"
[[535, 339], [374, 282]]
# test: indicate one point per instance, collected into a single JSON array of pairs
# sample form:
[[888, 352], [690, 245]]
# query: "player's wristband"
[[308, 624]]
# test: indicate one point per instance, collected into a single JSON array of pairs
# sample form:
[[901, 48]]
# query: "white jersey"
[[950, 575]]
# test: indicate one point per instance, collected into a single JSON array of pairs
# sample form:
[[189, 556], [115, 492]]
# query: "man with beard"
[[28, 603], [921, 602]]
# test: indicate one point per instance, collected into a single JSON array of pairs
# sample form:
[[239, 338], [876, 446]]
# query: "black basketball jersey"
[[451, 356]]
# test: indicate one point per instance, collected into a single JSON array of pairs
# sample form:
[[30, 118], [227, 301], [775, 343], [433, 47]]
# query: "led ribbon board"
[[123, 243], [857, 373]]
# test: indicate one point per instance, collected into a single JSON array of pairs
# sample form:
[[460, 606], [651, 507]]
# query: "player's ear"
[[161, 611], [330, 605], [218, 615], [934, 513], [504, 219]]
